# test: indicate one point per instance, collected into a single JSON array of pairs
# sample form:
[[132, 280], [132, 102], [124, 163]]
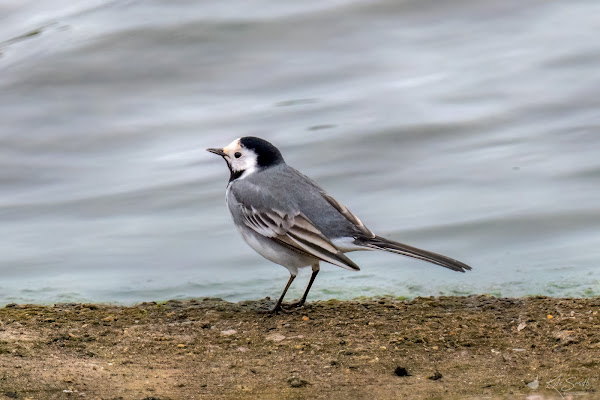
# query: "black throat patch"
[[233, 175]]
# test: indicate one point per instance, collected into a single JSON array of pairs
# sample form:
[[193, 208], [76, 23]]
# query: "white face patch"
[[240, 159]]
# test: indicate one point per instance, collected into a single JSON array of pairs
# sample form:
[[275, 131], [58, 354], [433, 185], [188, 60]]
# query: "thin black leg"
[[315, 271], [278, 305]]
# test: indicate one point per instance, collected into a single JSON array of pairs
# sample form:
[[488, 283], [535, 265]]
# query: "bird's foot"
[[296, 304], [273, 311]]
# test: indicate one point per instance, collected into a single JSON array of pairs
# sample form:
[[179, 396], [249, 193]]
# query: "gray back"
[[285, 189]]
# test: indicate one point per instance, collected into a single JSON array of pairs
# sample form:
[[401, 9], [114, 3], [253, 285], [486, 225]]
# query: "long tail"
[[380, 243]]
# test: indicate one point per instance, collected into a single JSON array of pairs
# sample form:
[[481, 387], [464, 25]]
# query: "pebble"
[[535, 384], [436, 376], [228, 332], [275, 337], [297, 382]]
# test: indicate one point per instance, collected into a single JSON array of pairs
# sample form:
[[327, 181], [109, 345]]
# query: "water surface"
[[465, 127]]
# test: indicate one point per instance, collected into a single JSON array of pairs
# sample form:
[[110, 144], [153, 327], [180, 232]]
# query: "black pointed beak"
[[219, 152]]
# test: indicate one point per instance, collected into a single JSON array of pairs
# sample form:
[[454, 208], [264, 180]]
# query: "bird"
[[290, 220]]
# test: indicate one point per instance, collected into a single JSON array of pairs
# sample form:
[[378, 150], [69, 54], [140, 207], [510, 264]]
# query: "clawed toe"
[[282, 308], [273, 311], [296, 304]]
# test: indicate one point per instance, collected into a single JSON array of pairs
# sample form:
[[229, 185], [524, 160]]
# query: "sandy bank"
[[439, 348]]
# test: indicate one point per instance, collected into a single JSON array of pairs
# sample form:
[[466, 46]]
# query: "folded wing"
[[295, 231]]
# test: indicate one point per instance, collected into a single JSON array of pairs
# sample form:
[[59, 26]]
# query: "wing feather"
[[297, 232], [342, 209]]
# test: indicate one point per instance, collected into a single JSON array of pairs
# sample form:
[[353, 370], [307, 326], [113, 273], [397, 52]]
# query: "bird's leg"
[[277, 307], [315, 271]]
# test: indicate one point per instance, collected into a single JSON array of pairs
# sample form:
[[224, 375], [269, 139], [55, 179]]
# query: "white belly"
[[275, 252]]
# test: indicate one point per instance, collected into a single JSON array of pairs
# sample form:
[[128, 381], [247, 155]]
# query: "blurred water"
[[469, 128]]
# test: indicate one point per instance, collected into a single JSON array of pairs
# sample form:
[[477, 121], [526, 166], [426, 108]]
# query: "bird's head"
[[247, 155]]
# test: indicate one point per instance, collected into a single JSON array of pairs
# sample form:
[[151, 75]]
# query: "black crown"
[[267, 154]]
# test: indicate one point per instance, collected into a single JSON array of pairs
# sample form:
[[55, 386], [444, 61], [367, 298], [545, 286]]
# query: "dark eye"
[[237, 154]]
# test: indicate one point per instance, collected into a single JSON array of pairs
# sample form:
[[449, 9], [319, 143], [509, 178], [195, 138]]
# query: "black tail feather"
[[380, 243]]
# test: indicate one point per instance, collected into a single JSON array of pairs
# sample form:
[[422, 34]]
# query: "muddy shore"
[[436, 348]]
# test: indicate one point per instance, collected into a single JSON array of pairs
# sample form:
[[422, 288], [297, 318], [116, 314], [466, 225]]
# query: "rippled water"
[[465, 127]]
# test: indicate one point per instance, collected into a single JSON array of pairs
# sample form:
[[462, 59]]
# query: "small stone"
[[521, 326], [275, 337], [305, 318], [401, 371], [181, 345], [297, 382], [436, 376], [564, 336], [228, 332], [549, 316], [535, 384]]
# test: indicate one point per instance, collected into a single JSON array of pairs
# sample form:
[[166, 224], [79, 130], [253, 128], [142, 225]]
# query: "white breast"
[[267, 247]]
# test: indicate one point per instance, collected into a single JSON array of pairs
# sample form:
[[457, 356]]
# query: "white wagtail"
[[288, 219]]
